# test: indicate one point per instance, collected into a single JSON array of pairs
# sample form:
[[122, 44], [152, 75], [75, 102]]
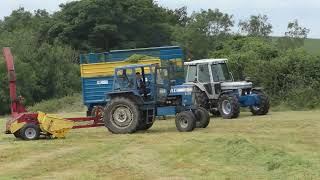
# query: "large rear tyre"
[[263, 107], [30, 132], [121, 116], [185, 121], [201, 98], [228, 106], [202, 118]]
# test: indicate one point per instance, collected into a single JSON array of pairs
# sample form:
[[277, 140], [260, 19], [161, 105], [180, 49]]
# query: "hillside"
[[313, 46]]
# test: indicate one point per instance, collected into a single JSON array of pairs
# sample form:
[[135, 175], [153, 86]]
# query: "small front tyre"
[[263, 107], [185, 121], [30, 132], [228, 106], [202, 117]]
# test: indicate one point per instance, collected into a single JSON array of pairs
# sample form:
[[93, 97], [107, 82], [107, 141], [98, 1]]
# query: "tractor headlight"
[[188, 89], [162, 91]]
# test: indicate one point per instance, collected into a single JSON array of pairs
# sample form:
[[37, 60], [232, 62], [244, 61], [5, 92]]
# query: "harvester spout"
[[16, 102]]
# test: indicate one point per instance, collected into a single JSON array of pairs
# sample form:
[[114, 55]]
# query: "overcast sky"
[[280, 12]]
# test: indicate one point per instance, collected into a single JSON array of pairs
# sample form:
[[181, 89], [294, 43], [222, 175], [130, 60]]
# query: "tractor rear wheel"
[[201, 98], [30, 132], [122, 116], [229, 106], [202, 117], [263, 107], [185, 121]]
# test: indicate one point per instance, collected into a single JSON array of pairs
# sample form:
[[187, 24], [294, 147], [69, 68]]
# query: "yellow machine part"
[[107, 68], [54, 124], [15, 126]]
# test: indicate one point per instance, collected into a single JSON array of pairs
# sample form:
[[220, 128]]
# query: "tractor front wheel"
[[185, 121], [202, 117], [263, 107], [121, 116], [229, 106], [30, 132]]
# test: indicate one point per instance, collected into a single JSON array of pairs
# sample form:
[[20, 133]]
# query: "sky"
[[280, 12]]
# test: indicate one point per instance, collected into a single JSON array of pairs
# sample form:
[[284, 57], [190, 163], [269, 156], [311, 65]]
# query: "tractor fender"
[[225, 92], [257, 89], [129, 94]]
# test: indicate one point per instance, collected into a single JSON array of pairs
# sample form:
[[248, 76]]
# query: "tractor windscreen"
[[220, 72]]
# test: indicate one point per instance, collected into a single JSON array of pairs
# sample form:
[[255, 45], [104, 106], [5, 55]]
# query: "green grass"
[[281, 145]]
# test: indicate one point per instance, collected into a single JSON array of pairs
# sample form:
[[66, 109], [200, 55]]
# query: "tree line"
[[46, 46]]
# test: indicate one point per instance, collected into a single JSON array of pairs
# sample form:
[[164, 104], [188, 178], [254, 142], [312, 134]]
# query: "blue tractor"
[[141, 92]]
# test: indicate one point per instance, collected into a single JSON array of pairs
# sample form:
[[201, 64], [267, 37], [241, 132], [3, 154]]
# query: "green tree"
[[256, 26], [204, 31], [110, 24]]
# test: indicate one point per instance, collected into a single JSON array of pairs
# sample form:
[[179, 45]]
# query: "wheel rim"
[[183, 123], [256, 108], [30, 133], [226, 107], [122, 116]]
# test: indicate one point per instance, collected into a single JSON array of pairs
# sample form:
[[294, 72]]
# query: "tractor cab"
[[213, 76], [150, 81], [135, 78]]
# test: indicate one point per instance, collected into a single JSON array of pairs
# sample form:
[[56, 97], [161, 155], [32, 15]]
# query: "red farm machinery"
[[31, 125]]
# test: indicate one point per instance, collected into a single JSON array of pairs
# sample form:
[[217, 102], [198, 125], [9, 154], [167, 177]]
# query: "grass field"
[[281, 145]]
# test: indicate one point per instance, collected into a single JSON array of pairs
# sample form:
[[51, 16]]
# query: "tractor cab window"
[[192, 73], [203, 73], [220, 72], [162, 76], [123, 79]]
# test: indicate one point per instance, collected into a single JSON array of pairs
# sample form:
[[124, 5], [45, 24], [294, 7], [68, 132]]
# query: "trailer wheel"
[[185, 121], [121, 116], [229, 106], [97, 111], [263, 108], [30, 132], [202, 117]]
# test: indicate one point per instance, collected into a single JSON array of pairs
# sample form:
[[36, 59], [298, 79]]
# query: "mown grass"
[[281, 145]]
